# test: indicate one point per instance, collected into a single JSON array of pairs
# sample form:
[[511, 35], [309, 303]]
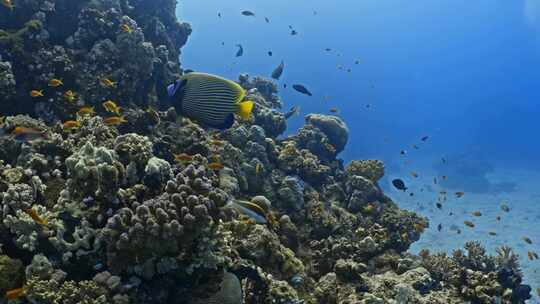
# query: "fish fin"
[[174, 88], [245, 109], [229, 121], [20, 137]]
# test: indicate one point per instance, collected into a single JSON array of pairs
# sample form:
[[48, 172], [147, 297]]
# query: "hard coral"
[[175, 224]]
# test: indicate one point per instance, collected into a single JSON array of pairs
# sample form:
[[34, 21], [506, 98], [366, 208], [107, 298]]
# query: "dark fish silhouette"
[[266, 19], [278, 71], [270, 53], [425, 138], [240, 50], [302, 89], [219, 15], [439, 227], [294, 32], [399, 184], [284, 85], [248, 13]]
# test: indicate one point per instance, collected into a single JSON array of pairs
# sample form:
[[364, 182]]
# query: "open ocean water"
[[466, 74]]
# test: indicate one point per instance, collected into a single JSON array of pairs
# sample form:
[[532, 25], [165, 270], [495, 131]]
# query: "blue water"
[[464, 73]]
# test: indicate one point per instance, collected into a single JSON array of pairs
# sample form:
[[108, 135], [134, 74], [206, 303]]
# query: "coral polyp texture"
[[160, 209]]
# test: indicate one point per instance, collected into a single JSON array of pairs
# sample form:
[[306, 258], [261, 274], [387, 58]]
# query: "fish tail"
[[246, 108]]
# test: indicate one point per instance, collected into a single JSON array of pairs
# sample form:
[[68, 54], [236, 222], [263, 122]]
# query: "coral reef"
[[140, 211], [478, 277]]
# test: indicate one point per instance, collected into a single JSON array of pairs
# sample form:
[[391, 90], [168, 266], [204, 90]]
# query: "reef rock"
[[333, 127]]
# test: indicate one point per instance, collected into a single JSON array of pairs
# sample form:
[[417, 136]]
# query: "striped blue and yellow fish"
[[209, 99]]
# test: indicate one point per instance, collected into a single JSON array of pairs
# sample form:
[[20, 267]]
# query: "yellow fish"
[[216, 142], [477, 213], [69, 95], [414, 174], [71, 124], [86, 111], [114, 120], [469, 223], [258, 168], [35, 216], [111, 107], [126, 28], [215, 158], [106, 82], [55, 82], [36, 93]]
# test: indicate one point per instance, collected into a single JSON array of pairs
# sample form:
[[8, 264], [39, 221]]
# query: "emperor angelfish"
[[209, 99]]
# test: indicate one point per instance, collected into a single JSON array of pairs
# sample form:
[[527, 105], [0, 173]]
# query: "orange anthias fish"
[[28, 134], [216, 166], [183, 157], [55, 82], [114, 120], [111, 106], [86, 111], [71, 125], [334, 110], [36, 93], [106, 82], [414, 174], [15, 293], [35, 216]]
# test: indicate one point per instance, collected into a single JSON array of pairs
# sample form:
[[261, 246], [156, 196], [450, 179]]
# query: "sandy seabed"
[[523, 220]]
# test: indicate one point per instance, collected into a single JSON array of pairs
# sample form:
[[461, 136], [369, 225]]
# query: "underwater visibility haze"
[[250, 151]]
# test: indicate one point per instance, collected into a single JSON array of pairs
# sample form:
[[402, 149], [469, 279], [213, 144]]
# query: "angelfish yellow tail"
[[245, 109]]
